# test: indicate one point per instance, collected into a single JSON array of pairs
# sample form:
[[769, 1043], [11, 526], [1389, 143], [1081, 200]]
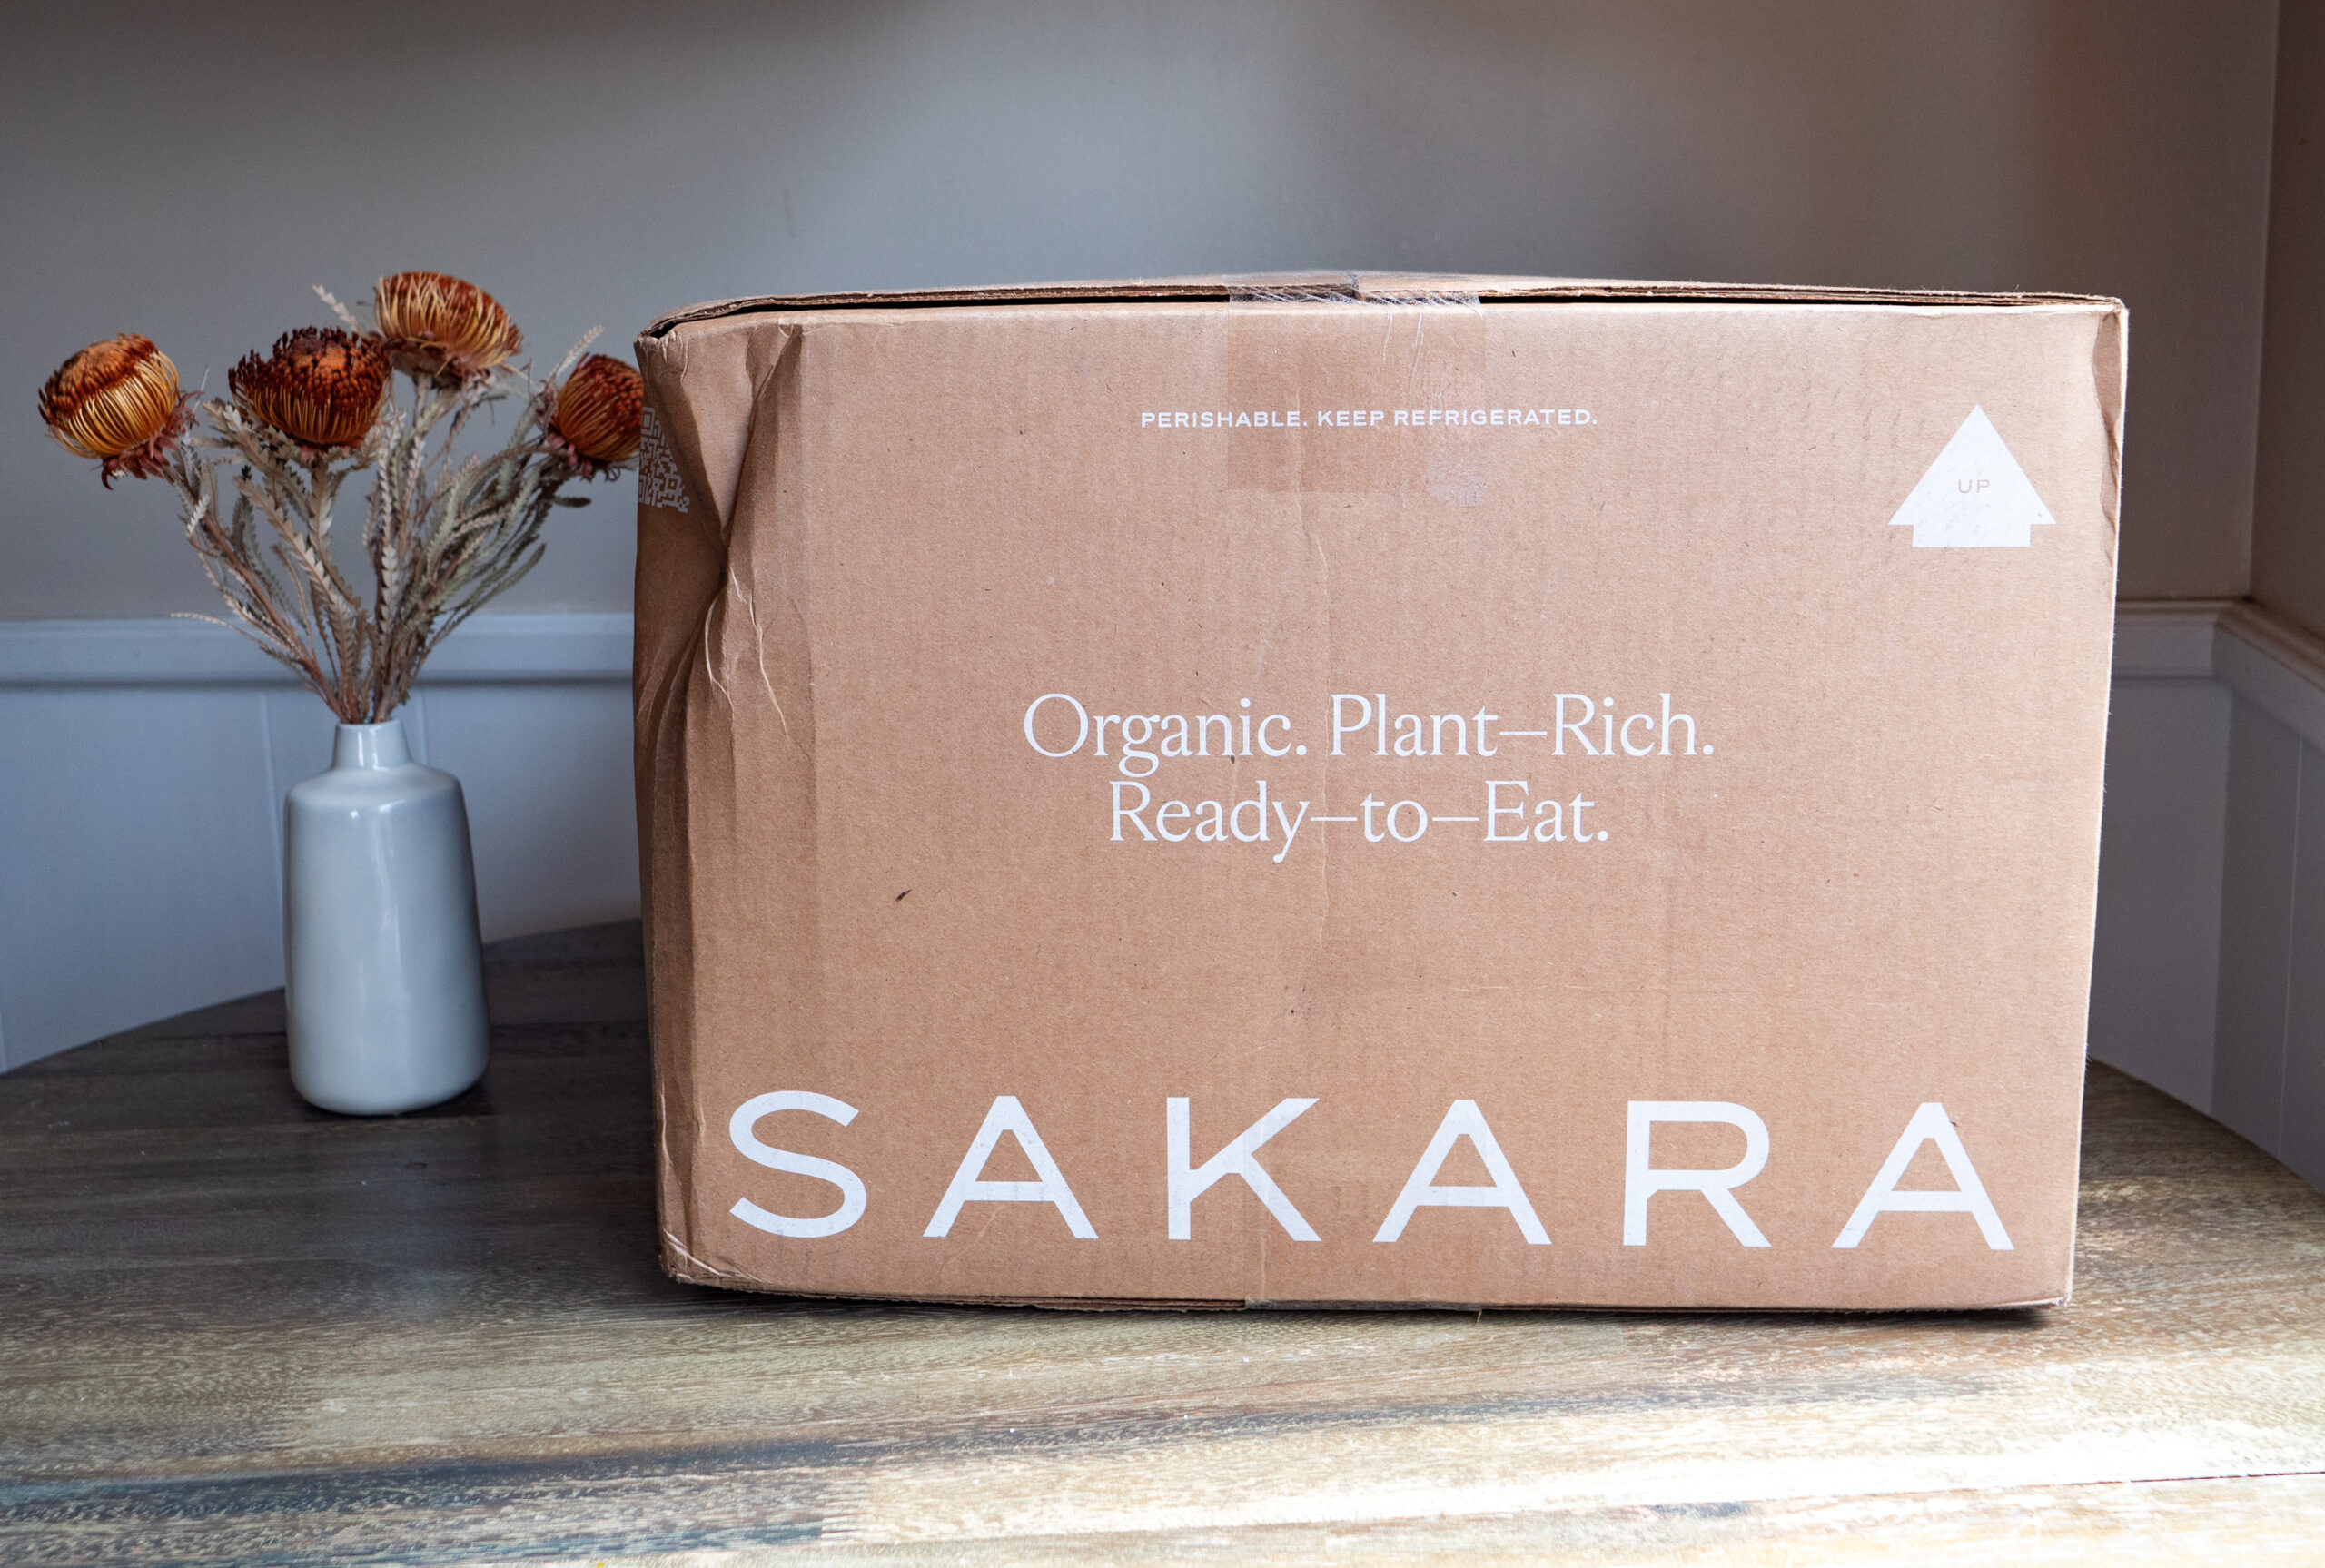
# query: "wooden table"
[[236, 1329]]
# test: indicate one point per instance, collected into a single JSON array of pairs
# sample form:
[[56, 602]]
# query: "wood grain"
[[236, 1329]]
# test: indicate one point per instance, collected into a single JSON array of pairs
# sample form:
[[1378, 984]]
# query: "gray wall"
[[2288, 544], [187, 172]]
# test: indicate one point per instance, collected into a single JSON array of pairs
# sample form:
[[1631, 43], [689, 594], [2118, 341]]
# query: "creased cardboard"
[[1376, 790]]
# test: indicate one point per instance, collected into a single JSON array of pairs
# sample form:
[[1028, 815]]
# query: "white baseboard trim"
[[2170, 640], [2261, 657], [2266, 660], [184, 650], [2276, 666]]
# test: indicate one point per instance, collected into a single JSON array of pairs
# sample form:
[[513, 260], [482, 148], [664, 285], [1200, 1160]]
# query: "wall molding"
[[2275, 665], [186, 650], [2167, 640], [2247, 646], [2257, 654]]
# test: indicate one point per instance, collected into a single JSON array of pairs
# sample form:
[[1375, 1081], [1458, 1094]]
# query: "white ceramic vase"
[[386, 982]]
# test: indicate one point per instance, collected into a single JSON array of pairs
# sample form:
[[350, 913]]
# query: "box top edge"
[[1409, 289]]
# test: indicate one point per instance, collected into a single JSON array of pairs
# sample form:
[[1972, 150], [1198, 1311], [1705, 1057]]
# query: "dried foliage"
[[259, 474]]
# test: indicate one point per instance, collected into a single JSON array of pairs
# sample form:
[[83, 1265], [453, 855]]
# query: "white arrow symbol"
[[1974, 496]]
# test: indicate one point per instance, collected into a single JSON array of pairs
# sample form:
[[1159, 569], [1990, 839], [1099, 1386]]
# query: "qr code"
[[659, 484]]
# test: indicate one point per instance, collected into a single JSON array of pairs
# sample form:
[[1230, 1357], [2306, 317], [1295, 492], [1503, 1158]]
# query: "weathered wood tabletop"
[[235, 1330]]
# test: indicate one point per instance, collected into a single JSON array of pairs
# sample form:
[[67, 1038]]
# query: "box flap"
[[1390, 288]]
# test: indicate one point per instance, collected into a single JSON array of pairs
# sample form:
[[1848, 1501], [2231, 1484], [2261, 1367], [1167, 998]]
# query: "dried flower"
[[441, 328], [595, 417], [322, 387], [118, 402], [258, 474]]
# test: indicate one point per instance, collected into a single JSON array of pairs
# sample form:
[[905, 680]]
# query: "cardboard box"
[[1376, 790]]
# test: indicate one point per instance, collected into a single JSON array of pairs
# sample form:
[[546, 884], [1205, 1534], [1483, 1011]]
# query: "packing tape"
[[1396, 290]]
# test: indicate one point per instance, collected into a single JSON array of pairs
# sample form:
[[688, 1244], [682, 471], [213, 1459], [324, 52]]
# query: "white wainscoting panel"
[[138, 874], [2210, 977], [549, 773], [2300, 1106], [2256, 923], [143, 766], [2155, 971], [2269, 1072]]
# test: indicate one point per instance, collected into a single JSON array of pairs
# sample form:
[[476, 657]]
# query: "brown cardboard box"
[[1376, 790]]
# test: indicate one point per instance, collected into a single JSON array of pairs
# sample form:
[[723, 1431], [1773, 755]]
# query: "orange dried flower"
[[596, 415], [322, 387], [441, 327], [118, 402]]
